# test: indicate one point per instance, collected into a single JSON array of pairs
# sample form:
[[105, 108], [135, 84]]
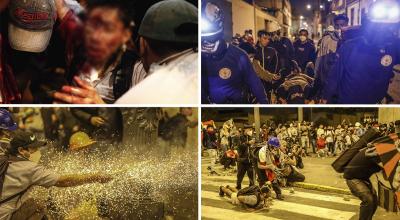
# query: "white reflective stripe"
[[306, 195], [218, 213], [297, 208]]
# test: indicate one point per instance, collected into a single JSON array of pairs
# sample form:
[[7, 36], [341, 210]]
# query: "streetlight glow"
[[301, 17], [308, 6]]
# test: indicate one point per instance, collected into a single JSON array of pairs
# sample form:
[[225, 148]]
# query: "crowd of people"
[[340, 67], [98, 51], [274, 159]]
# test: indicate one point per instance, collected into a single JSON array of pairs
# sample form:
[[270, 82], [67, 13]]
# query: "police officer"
[[304, 50], [365, 64], [227, 73], [283, 46], [244, 163]]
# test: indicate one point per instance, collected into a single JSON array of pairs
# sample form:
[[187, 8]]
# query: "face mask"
[[303, 38], [35, 157]]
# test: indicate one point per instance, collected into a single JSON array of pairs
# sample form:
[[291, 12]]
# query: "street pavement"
[[302, 204]]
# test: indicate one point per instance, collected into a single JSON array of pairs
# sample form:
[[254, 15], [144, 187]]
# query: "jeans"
[[369, 200]]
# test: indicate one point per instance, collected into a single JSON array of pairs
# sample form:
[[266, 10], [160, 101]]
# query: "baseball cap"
[[31, 24], [171, 20], [25, 139]]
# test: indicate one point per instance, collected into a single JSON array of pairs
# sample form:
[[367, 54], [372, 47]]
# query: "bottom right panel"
[[300, 163]]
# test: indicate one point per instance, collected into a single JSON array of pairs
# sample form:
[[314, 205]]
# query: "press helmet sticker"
[[225, 73], [386, 60]]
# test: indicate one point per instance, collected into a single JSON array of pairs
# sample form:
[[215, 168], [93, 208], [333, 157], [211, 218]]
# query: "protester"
[[24, 172]]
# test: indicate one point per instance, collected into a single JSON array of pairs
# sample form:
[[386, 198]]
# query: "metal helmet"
[[272, 27], [212, 19], [80, 140], [172, 21], [274, 141], [384, 11], [6, 120]]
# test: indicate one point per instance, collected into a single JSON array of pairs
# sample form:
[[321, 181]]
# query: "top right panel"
[[300, 51]]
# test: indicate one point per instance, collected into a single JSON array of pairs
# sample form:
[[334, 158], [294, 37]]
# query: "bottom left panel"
[[98, 163]]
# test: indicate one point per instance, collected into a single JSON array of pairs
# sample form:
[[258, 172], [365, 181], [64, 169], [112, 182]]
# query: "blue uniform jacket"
[[362, 73], [230, 79]]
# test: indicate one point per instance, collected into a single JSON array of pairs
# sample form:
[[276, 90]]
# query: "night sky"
[[299, 7]]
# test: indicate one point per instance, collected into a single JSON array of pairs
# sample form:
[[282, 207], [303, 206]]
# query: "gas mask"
[[35, 157], [212, 28]]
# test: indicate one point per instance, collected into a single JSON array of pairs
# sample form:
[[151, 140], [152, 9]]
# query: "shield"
[[388, 151]]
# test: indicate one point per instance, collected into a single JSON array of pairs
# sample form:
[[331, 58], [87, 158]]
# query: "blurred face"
[[210, 130], [105, 33], [26, 153], [303, 35], [187, 111], [340, 24], [264, 40]]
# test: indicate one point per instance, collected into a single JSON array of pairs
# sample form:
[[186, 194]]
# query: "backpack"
[[5, 161]]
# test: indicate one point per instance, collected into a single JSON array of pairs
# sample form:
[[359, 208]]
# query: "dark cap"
[[172, 21], [25, 139]]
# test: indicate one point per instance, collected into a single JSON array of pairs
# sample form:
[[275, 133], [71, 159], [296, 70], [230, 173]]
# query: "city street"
[[302, 204]]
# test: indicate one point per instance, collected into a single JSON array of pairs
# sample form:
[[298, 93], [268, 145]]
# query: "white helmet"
[[272, 27], [358, 124]]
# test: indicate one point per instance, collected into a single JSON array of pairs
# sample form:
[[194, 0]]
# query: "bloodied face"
[[105, 33]]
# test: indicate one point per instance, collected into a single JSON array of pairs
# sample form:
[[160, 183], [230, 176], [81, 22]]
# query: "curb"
[[322, 188]]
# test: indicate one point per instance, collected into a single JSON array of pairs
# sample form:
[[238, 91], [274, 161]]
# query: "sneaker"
[[221, 193]]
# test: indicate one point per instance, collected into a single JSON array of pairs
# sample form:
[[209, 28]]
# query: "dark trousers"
[[295, 176], [369, 200], [262, 179], [244, 168]]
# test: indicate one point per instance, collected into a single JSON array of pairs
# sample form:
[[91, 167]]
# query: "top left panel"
[[98, 52]]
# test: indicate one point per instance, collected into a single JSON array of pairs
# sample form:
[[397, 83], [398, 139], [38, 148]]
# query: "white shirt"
[[21, 175], [104, 86], [173, 83]]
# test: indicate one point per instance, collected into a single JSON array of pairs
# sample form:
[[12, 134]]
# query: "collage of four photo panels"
[[199, 109]]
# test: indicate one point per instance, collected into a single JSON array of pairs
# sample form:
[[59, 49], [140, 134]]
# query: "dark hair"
[[303, 30], [162, 48], [341, 17], [264, 189], [125, 7], [261, 32]]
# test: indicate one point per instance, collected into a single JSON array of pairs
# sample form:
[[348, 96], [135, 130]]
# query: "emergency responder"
[[326, 56], [365, 64], [227, 73], [266, 62], [304, 51], [283, 46], [7, 125], [267, 166]]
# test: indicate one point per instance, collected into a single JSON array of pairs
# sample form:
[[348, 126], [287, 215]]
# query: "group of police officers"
[[349, 65]]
